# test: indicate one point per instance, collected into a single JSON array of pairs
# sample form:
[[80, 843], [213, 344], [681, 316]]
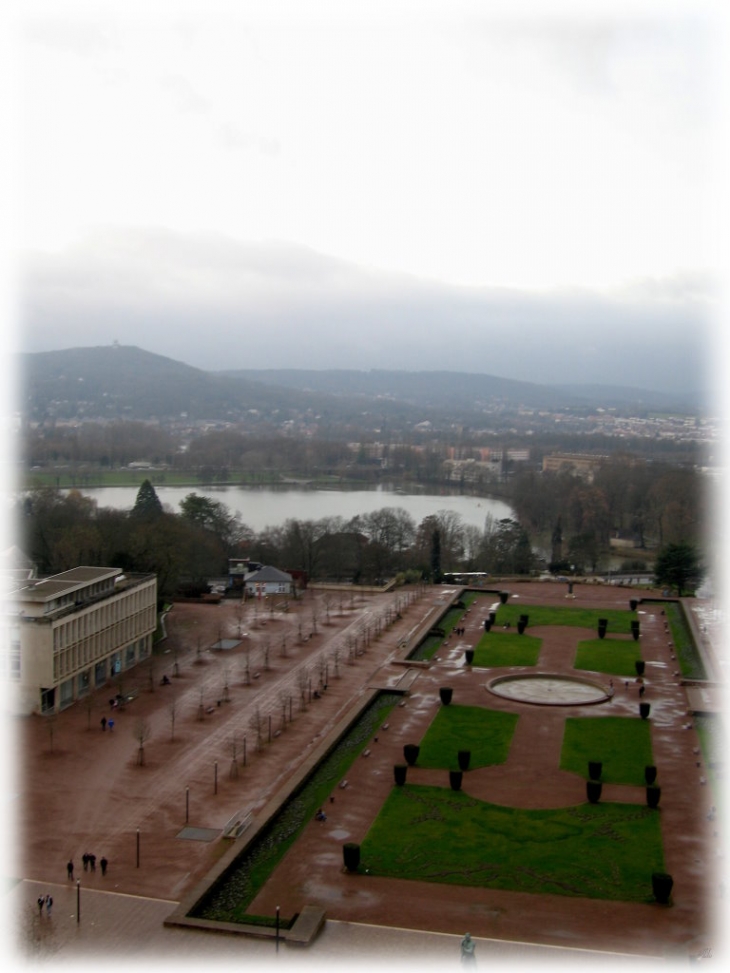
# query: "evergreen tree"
[[678, 566], [147, 506]]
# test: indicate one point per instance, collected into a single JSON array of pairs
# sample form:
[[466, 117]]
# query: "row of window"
[[100, 617], [85, 651]]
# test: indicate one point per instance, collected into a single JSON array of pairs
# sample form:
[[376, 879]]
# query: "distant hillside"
[[126, 382], [464, 389]]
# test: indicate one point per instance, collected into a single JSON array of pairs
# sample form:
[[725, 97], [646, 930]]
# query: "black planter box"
[[410, 752], [351, 855], [661, 885]]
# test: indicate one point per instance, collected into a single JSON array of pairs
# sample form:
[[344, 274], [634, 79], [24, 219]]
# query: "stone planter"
[[635, 630], [593, 790], [469, 656], [521, 626], [644, 710], [650, 773], [492, 617], [661, 886], [446, 692], [487, 624], [464, 757], [634, 604], [639, 666], [455, 779], [653, 793], [399, 772], [602, 626], [410, 752], [351, 855], [503, 596], [594, 769]]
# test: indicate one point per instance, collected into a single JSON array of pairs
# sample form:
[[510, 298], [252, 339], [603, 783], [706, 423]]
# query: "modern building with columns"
[[63, 636]]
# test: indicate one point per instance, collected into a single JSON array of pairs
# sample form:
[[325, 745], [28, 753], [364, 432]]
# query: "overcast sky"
[[535, 192]]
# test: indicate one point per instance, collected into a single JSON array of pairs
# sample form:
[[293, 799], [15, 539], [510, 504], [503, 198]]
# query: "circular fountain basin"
[[548, 689]]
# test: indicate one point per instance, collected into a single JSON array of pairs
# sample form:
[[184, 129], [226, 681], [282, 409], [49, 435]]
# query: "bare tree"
[[142, 731], [256, 723], [247, 666], [265, 652], [51, 727], [172, 713], [233, 772], [327, 602], [151, 667], [302, 685], [336, 652], [315, 615], [240, 610], [89, 706], [283, 702]]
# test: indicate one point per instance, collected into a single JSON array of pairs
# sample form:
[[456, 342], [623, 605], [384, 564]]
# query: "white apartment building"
[[63, 636]]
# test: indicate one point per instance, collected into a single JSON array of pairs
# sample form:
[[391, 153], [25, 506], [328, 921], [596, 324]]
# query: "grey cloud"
[[219, 304]]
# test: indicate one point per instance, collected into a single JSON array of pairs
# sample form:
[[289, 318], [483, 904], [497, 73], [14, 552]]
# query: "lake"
[[262, 507]]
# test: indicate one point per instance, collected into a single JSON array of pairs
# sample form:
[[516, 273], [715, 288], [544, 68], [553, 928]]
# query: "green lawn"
[[614, 656], [690, 661], [619, 621], [507, 649], [487, 733], [621, 743], [434, 834]]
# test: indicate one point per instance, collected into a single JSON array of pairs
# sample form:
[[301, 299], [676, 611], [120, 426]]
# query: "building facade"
[[66, 635], [268, 581]]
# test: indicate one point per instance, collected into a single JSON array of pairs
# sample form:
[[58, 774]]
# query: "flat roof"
[[43, 589]]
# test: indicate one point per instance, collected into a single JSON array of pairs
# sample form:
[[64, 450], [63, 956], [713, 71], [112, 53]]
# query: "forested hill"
[[441, 389], [125, 382]]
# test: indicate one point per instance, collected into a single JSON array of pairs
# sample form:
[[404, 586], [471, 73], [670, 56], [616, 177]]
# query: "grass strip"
[[506, 649], [614, 656], [690, 662], [621, 743], [619, 620], [433, 834], [486, 733]]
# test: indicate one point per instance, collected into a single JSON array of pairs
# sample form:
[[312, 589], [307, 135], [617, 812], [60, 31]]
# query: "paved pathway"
[[116, 928]]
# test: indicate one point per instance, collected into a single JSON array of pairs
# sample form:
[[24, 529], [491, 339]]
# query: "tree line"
[[62, 530]]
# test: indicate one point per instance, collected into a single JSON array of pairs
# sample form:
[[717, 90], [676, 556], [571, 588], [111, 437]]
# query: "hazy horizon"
[[528, 191]]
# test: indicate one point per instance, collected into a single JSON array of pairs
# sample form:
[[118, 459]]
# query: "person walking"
[[41, 900], [103, 864], [92, 862], [103, 723], [49, 905], [70, 869]]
